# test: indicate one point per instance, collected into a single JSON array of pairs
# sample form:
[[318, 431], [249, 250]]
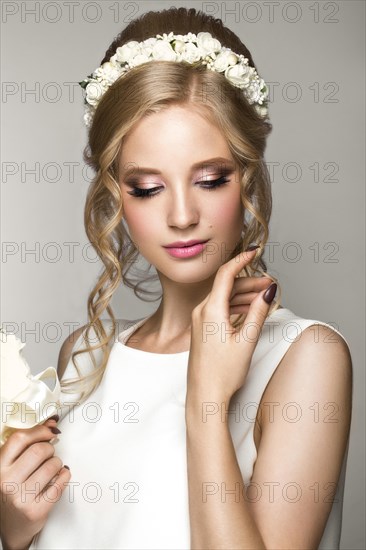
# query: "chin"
[[187, 271]]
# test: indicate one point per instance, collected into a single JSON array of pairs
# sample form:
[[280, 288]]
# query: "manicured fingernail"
[[54, 417], [55, 430], [252, 247], [270, 293], [65, 466]]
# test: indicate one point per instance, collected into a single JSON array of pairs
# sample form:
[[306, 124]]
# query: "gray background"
[[311, 52]]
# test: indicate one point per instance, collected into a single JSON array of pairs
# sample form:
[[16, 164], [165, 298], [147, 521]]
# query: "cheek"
[[140, 223], [227, 212]]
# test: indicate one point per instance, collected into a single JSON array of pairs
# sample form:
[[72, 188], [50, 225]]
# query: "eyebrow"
[[135, 170]]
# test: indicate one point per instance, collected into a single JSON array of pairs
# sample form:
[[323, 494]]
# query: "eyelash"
[[149, 193]]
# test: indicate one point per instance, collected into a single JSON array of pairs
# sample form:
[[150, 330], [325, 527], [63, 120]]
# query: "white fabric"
[[129, 467]]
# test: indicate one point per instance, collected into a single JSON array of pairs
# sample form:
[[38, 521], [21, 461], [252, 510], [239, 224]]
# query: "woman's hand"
[[220, 355], [32, 480]]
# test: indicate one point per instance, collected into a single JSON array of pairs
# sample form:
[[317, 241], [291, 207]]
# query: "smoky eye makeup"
[[206, 179]]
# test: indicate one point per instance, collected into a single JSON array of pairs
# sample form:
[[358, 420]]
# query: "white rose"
[[191, 37], [25, 399], [190, 53], [207, 43], [128, 51], [109, 73], [94, 92], [238, 74], [14, 368], [163, 51], [179, 46], [224, 60], [113, 60], [253, 91], [139, 59], [150, 42], [148, 45]]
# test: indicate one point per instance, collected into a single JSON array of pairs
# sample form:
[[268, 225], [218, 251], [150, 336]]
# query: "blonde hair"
[[150, 88]]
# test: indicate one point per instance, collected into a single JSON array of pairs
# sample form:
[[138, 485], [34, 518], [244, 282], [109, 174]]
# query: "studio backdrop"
[[312, 56]]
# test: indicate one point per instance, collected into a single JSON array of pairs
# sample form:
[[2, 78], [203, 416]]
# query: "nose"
[[183, 208]]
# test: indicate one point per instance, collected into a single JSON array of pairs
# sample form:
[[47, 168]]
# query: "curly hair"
[[150, 88]]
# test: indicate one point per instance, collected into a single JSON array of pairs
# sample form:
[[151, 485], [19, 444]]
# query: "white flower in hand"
[[25, 399]]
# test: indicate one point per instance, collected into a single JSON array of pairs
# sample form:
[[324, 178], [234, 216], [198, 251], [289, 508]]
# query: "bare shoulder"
[[317, 368], [305, 422], [66, 350]]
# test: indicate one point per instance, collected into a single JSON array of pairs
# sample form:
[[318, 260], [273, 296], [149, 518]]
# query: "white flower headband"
[[176, 47]]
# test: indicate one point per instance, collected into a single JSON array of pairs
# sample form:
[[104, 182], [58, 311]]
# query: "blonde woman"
[[222, 419]]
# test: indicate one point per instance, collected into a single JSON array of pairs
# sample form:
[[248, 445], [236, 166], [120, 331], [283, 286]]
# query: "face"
[[172, 190]]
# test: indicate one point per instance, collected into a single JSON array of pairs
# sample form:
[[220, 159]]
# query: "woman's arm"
[[219, 515], [32, 481], [18, 516], [298, 463]]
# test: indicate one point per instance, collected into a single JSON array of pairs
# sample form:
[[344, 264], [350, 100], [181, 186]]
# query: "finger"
[[244, 298], [257, 314], [243, 286], [33, 457], [55, 417], [52, 421], [250, 284], [42, 476], [242, 308], [52, 492], [224, 280], [18, 441], [56, 479]]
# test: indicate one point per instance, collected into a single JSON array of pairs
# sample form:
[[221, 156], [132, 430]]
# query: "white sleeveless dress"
[[126, 447]]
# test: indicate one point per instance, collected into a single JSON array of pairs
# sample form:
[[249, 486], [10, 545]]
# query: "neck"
[[173, 316]]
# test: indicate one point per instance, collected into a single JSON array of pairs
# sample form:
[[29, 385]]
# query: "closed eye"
[[209, 185]]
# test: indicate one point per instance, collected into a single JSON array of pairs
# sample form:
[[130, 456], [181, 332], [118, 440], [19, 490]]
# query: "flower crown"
[[190, 48]]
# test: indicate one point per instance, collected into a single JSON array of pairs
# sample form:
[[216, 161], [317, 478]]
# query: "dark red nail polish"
[[270, 293], [54, 417], [55, 430], [65, 466], [252, 247]]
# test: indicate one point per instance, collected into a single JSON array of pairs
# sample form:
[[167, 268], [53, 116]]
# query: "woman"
[[222, 419]]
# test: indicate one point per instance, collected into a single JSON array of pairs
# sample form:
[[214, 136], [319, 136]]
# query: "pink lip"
[[180, 244], [194, 248]]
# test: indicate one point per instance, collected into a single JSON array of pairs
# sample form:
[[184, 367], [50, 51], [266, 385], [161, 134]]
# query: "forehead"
[[175, 132]]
